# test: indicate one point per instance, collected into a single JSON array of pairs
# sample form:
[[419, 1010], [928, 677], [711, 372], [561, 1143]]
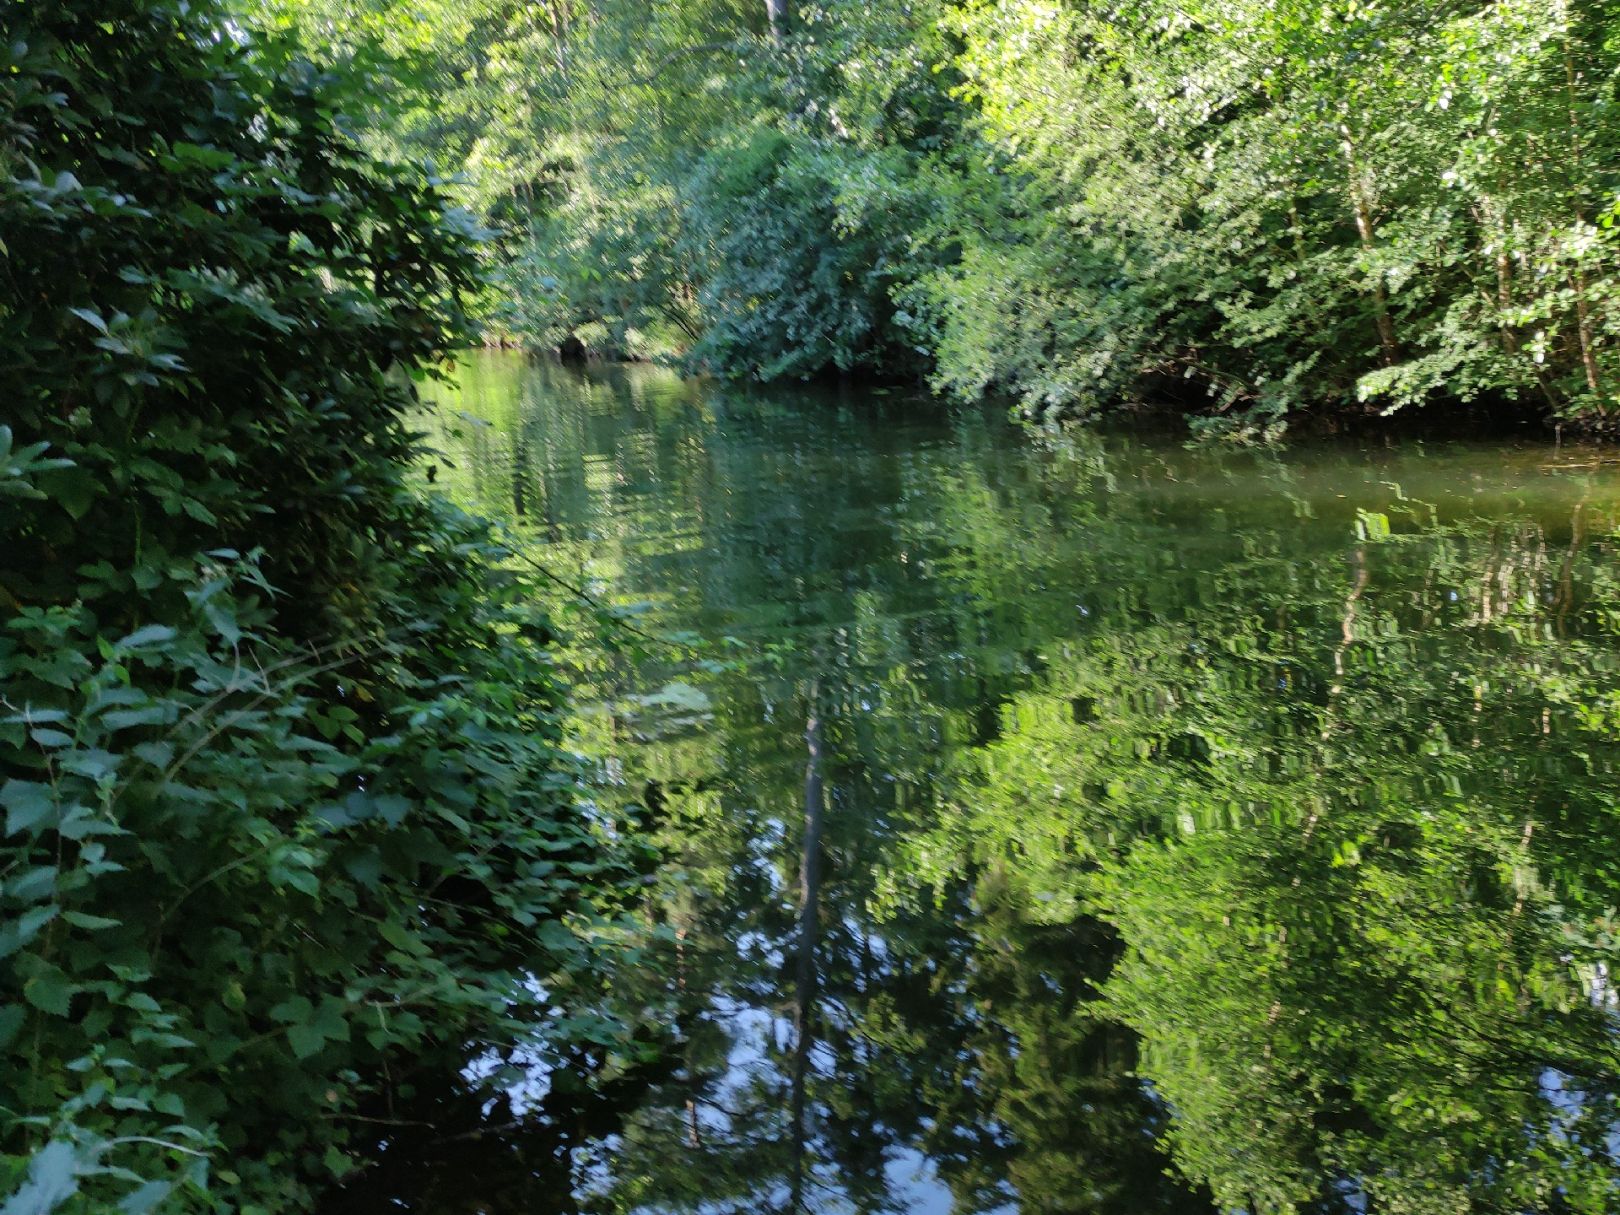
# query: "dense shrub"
[[285, 818], [795, 272]]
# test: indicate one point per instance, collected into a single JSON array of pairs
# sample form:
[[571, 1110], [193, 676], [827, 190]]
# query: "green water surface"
[[1074, 823]]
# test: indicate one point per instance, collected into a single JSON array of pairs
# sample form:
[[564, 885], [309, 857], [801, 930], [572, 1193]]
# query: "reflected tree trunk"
[[520, 473], [809, 909], [777, 11], [1564, 597], [694, 1134]]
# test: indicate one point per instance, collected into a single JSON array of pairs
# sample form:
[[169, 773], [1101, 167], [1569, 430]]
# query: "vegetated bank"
[[1252, 208], [285, 821]]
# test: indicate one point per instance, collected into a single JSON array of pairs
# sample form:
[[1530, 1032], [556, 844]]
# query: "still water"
[[1071, 823]]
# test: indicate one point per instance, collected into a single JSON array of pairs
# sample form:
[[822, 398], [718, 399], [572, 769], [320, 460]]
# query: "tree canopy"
[[1242, 207]]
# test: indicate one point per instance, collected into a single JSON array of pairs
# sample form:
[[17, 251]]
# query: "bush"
[[285, 818]]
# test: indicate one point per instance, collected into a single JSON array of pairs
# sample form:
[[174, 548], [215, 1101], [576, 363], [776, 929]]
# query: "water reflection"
[[1081, 824]]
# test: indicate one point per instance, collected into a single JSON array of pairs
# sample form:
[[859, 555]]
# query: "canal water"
[[1063, 822]]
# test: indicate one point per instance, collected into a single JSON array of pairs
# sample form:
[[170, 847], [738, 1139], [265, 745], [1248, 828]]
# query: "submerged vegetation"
[[1248, 207]]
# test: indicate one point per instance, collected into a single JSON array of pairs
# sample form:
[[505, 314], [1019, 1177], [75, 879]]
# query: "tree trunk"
[[777, 11], [1583, 319], [1361, 203], [1504, 278]]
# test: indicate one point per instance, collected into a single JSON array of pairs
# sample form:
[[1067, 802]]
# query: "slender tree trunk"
[[1361, 204], [1495, 221], [1388, 348], [1583, 326], [777, 11], [1583, 318]]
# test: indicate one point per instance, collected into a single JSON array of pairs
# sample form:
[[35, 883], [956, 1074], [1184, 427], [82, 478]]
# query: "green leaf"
[[365, 867], [146, 1198], [35, 918], [36, 717], [160, 714], [38, 883], [53, 1178], [391, 808], [332, 1021], [94, 923], [295, 1009], [90, 318], [73, 489], [80, 823], [49, 989], [28, 804], [152, 634], [11, 1019], [157, 753], [306, 1040], [17, 933], [93, 763]]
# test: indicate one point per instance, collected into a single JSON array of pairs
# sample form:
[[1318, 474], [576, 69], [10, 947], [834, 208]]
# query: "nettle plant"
[[286, 821]]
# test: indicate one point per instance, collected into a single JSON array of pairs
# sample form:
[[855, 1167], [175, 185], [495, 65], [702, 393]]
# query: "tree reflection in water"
[[1079, 824]]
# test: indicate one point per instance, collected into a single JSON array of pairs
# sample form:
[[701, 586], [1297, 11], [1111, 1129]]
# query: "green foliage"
[[1289, 205], [801, 267], [286, 823], [1244, 207], [685, 183], [1342, 815]]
